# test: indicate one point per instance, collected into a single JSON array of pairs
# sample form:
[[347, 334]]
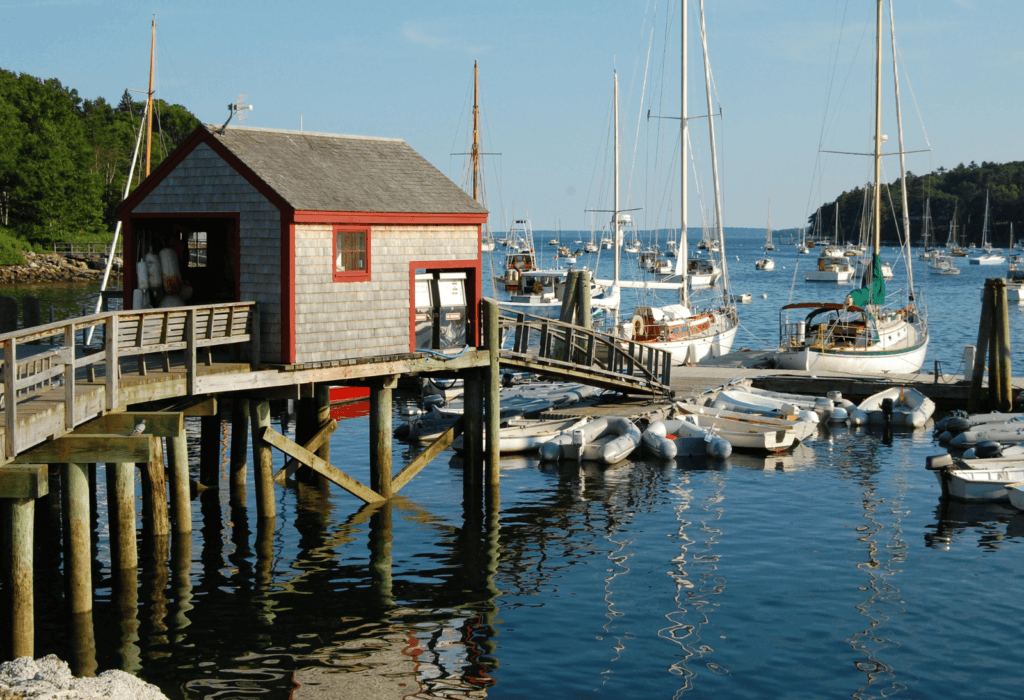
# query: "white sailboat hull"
[[697, 350], [853, 360]]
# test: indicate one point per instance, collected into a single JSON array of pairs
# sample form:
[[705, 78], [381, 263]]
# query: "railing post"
[[69, 377], [190, 350], [113, 366], [254, 336], [10, 396]]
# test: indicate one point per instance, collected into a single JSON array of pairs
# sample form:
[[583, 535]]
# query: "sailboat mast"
[[615, 212], [877, 240], [903, 160], [149, 100], [714, 158], [476, 128], [682, 254]]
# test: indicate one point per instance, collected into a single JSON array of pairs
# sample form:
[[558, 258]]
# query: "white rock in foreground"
[[49, 678]]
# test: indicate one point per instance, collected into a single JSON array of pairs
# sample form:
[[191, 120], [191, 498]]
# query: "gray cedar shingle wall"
[[347, 320], [204, 183]]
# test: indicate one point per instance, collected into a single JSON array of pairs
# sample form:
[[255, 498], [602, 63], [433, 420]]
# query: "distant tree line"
[[960, 191], [64, 160]]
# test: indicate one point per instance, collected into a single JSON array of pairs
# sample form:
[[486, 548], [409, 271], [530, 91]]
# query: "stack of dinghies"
[[960, 422], [898, 406], [747, 399], [606, 440]]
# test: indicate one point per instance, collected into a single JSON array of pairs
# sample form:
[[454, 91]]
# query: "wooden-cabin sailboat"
[[861, 335], [692, 335]]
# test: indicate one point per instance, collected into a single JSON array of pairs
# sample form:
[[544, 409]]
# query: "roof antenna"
[[240, 108]]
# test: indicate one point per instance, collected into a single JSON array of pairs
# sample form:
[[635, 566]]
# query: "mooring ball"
[[987, 449], [938, 461]]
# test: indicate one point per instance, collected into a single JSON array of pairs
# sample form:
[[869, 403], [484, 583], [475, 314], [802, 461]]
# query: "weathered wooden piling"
[[19, 488], [492, 327], [262, 458], [181, 497], [472, 436], [380, 554], [209, 450], [993, 344], [121, 514], [79, 546], [322, 416], [239, 448], [155, 488], [380, 435]]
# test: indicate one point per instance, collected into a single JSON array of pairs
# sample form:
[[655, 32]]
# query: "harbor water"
[[834, 571]]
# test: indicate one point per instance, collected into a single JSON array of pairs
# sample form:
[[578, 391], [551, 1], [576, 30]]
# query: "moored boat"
[[906, 406], [684, 437], [606, 440]]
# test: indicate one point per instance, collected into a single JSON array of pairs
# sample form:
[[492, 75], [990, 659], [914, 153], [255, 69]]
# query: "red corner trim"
[[287, 291]]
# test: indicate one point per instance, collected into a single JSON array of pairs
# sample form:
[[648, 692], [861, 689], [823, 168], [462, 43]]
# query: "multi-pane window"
[[351, 254]]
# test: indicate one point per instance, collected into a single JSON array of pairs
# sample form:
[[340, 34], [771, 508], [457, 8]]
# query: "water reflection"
[[695, 577], [991, 522], [882, 534]]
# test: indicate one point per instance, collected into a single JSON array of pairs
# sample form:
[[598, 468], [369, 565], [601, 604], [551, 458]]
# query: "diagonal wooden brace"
[[426, 456], [314, 442], [293, 449]]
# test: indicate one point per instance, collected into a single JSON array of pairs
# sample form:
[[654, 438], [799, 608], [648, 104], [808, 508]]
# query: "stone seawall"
[[48, 267]]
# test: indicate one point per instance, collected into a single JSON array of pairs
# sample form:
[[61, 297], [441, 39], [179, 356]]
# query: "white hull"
[[1016, 494], [764, 264], [987, 260], [911, 408], [979, 484], [696, 350], [837, 276], [1014, 293], [853, 360]]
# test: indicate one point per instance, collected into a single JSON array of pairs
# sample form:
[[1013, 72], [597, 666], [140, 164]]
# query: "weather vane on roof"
[[240, 108]]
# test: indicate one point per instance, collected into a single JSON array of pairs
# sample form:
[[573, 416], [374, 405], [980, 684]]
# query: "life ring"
[[537, 287], [638, 325]]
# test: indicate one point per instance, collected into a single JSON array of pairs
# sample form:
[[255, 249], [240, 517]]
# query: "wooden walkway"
[[560, 350]]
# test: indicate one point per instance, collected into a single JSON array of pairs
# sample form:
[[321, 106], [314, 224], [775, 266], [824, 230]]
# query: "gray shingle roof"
[[332, 172]]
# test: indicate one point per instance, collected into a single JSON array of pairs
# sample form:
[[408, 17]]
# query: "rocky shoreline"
[[50, 267]]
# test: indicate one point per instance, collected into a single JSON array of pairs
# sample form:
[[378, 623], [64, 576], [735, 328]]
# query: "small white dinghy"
[[910, 408], [1016, 493], [525, 434], [605, 440], [668, 439], [802, 429], [998, 432], [745, 402], [975, 484]]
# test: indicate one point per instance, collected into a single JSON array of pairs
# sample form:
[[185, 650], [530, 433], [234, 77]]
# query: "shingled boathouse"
[[327, 232]]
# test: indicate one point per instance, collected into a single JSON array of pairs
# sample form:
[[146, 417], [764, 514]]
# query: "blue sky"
[[404, 69]]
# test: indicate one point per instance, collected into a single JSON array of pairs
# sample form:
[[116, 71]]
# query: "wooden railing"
[[82, 248], [190, 330], [564, 342]]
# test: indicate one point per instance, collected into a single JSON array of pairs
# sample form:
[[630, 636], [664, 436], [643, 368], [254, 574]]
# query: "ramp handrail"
[[566, 342]]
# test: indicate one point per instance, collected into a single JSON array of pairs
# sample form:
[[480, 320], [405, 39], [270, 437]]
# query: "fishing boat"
[[942, 264], [689, 333], [862, 334], [832, 263], [519, 254], [766, 263], [989, 256]]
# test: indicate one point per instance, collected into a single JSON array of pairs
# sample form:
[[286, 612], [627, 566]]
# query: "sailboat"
[[860, 335], [767, 263], [989, 256], [831, 267], [691, 335], [929, 251]]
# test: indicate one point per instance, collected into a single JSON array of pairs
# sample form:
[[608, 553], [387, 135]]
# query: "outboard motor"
[[988, 449], [887, 407]]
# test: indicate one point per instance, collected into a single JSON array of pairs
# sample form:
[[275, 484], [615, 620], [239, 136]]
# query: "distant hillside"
[[961, 191], [64, 160]]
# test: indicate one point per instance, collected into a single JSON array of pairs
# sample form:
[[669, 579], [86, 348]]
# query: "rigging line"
[[913, 98], [458, 127], [636, 139]]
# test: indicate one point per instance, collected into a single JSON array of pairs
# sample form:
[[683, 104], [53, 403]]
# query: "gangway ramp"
[[574, 353]]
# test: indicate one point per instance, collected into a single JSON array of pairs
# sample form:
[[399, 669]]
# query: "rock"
[[49, 678]]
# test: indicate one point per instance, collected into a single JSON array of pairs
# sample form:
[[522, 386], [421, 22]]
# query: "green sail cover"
[[873, 291]]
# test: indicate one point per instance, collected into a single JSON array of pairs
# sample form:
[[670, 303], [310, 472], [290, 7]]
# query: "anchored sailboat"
[[692, 335], [860, 335], [767, 263]]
